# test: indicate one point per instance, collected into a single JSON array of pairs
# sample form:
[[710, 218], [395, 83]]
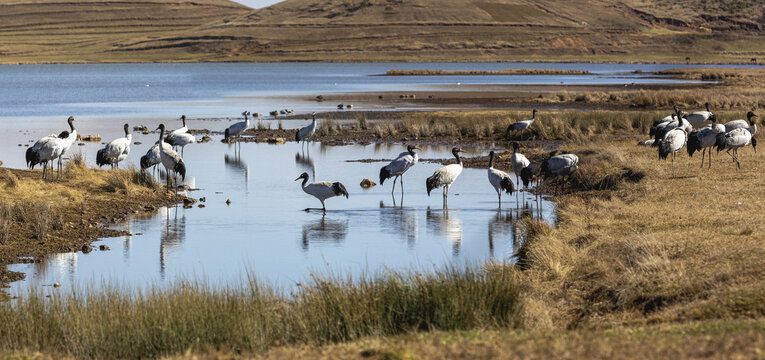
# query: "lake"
[[264, 232]]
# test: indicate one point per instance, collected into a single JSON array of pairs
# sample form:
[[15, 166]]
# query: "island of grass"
[[41, 217], [429, 72]]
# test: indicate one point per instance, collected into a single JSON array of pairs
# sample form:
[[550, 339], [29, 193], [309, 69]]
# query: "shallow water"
[[226, 89], [265, 232]]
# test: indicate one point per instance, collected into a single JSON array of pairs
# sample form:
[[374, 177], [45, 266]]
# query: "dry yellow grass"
[[664, 249], [733, 89], [64, 215]]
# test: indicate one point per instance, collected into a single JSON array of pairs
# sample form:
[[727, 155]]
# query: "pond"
[[265, 233]]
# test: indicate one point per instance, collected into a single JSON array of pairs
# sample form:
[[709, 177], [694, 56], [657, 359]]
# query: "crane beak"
[[300, 177]]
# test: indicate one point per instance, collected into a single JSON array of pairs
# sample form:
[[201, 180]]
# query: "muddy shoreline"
[[75, 226]]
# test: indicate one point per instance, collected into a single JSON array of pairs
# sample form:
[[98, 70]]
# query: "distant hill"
[[90, 30], [425, 30]]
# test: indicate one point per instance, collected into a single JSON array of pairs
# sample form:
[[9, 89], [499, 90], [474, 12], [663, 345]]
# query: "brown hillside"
[[87, 30], [382, 30], [487, 30]]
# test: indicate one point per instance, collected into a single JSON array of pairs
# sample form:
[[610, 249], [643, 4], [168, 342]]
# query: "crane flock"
[[698, 131]]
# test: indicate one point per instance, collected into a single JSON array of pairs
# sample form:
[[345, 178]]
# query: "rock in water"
[[367, 183]]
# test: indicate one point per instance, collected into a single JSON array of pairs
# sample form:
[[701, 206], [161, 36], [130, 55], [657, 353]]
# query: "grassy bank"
[[252, 318], [637, 269], [42, 217], [662, 250], [727, 89]]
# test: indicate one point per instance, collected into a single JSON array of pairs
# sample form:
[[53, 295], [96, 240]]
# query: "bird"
[[739, 124], [152, 157], [735, 139], [322, 190], [663, 121], [181, 130], [499, 179], [563, 165], [518, 161], [531, 172], [446, 175], [524, 124], [699, 119], [399, 166], [69, 139], [703, 140], [305, 133], [748, 123], [45, 150], [170, 159], [180, 139], [677, 122], [115, 151], [672, 142], [236, 130]]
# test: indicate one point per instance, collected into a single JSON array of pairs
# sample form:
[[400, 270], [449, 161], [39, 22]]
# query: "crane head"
[[302, 176]]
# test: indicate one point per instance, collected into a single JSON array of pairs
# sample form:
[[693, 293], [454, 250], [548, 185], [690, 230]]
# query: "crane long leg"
[[402, 184], [673, 164], [704, 152], [499, 197], [394, 184], [710, 159]]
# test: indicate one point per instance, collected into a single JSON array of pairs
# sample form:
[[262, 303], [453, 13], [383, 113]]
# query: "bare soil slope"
[[88, 30], [488, 30], [383, 30]]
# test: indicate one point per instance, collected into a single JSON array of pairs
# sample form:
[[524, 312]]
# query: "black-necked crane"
[[699, 119], [703, 140], [71, 137], [322, 190], [735, 139], [46, 150], [115, 151], [499, 179], [152, 157], [399, 166], [563, 165], [236, 130], [749, 124], [663, 122], [182, 130], [446, 175], [170, 159], [531, 172], [671, 143], [523, 124], [677, 122], [305, 133], [180, 137], [518, 161]]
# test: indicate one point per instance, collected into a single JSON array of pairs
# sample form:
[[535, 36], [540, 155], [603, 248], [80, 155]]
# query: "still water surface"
[[215, 89], [265, 232]]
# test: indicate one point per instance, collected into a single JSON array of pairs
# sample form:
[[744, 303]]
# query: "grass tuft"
[[116, 324]]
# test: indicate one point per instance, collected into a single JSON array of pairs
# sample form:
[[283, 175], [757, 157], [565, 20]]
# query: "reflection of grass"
[[113, 324]]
